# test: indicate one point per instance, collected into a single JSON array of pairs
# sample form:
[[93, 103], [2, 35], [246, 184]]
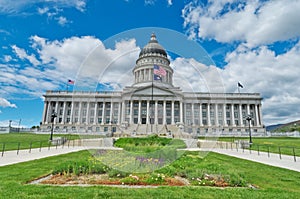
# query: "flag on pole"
[[157, 70], [240, 85], [156, 77], [71, 81]]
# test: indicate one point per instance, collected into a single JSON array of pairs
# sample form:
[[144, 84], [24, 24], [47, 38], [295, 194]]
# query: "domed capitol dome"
[[153, 47]]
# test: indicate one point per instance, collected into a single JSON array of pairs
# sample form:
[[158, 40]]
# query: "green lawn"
[[284, 145], [13, 141], [272, 182]]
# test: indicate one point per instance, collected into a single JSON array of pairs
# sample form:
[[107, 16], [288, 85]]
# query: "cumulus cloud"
[[21, 53], [194, 76], [62, 20], [252, 30], [252, 22], [274, 76], [51, 63], [5, 103]]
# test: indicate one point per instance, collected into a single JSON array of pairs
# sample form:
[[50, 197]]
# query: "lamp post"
[[53, 116], [249, 118]]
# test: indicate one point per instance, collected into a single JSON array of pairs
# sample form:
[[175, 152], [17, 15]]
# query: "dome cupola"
[[153, 55], [153, 47]]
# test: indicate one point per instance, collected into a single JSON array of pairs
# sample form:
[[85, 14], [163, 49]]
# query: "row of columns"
[[149, 112], [146, 74], [121, 117]]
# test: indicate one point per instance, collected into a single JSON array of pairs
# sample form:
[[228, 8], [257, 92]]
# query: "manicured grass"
[[284, 145], [13, 141], [148, 144], [272, 182]]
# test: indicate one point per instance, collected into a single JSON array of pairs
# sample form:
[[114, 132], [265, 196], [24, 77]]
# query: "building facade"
[[152, 106]]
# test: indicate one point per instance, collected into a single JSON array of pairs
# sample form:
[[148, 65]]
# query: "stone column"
[[119, 113], [200, 115], [193, 115], [45, 112], [241, 115], [181, 111], [172, 113], [148, 113], [131, 114], [49, 112], [164, 112], [260, 114], [64, 113], [224, 115], [87, 113], [216, 115], [72, 112], [139, 112], [232, 115], [208, 115], [123, 112], [111, 112], [156, 111], [56, 111], [79, 113], [95, 113], [256, 115], [248, 109], [103, 113]]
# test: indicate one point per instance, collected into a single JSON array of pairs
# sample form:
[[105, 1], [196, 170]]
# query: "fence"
[[61, 142], [294, 152]]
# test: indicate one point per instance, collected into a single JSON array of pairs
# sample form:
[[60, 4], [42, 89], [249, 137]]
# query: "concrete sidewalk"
[[12, 157], [286, 161]]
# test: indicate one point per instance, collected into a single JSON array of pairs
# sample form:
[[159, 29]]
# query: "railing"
[[259, 148], [17, 146]]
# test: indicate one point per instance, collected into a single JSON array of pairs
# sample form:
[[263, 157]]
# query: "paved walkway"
[[288, 162]]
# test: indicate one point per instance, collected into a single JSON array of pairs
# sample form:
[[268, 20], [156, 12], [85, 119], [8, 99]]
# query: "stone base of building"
[[178, 130]]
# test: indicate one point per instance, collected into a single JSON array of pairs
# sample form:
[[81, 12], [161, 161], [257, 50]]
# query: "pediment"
[[156, 91]]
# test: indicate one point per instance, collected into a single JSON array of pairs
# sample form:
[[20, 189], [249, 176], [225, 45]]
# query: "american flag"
[[157, 70], [71, 82]]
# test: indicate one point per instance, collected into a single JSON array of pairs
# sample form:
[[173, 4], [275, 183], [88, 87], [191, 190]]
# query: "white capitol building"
[[152, 106]]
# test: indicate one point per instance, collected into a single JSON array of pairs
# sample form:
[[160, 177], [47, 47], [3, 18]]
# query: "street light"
[[53, 116], [249, 118]]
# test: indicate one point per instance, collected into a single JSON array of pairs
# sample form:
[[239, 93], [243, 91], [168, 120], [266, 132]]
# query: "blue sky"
[[45, 43]]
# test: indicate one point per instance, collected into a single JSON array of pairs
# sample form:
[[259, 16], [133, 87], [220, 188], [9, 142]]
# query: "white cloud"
[[274, 76], [7, 58], [62, 20], [84, 59], [252, 22], [4, 103], [43, 10], [21, 53], [169, 2], [193, 76]]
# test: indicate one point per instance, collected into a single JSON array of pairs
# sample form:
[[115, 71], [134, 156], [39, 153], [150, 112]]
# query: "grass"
[[272, 182], [148, 144], [284, 145], [13, 141], [142, 154]]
